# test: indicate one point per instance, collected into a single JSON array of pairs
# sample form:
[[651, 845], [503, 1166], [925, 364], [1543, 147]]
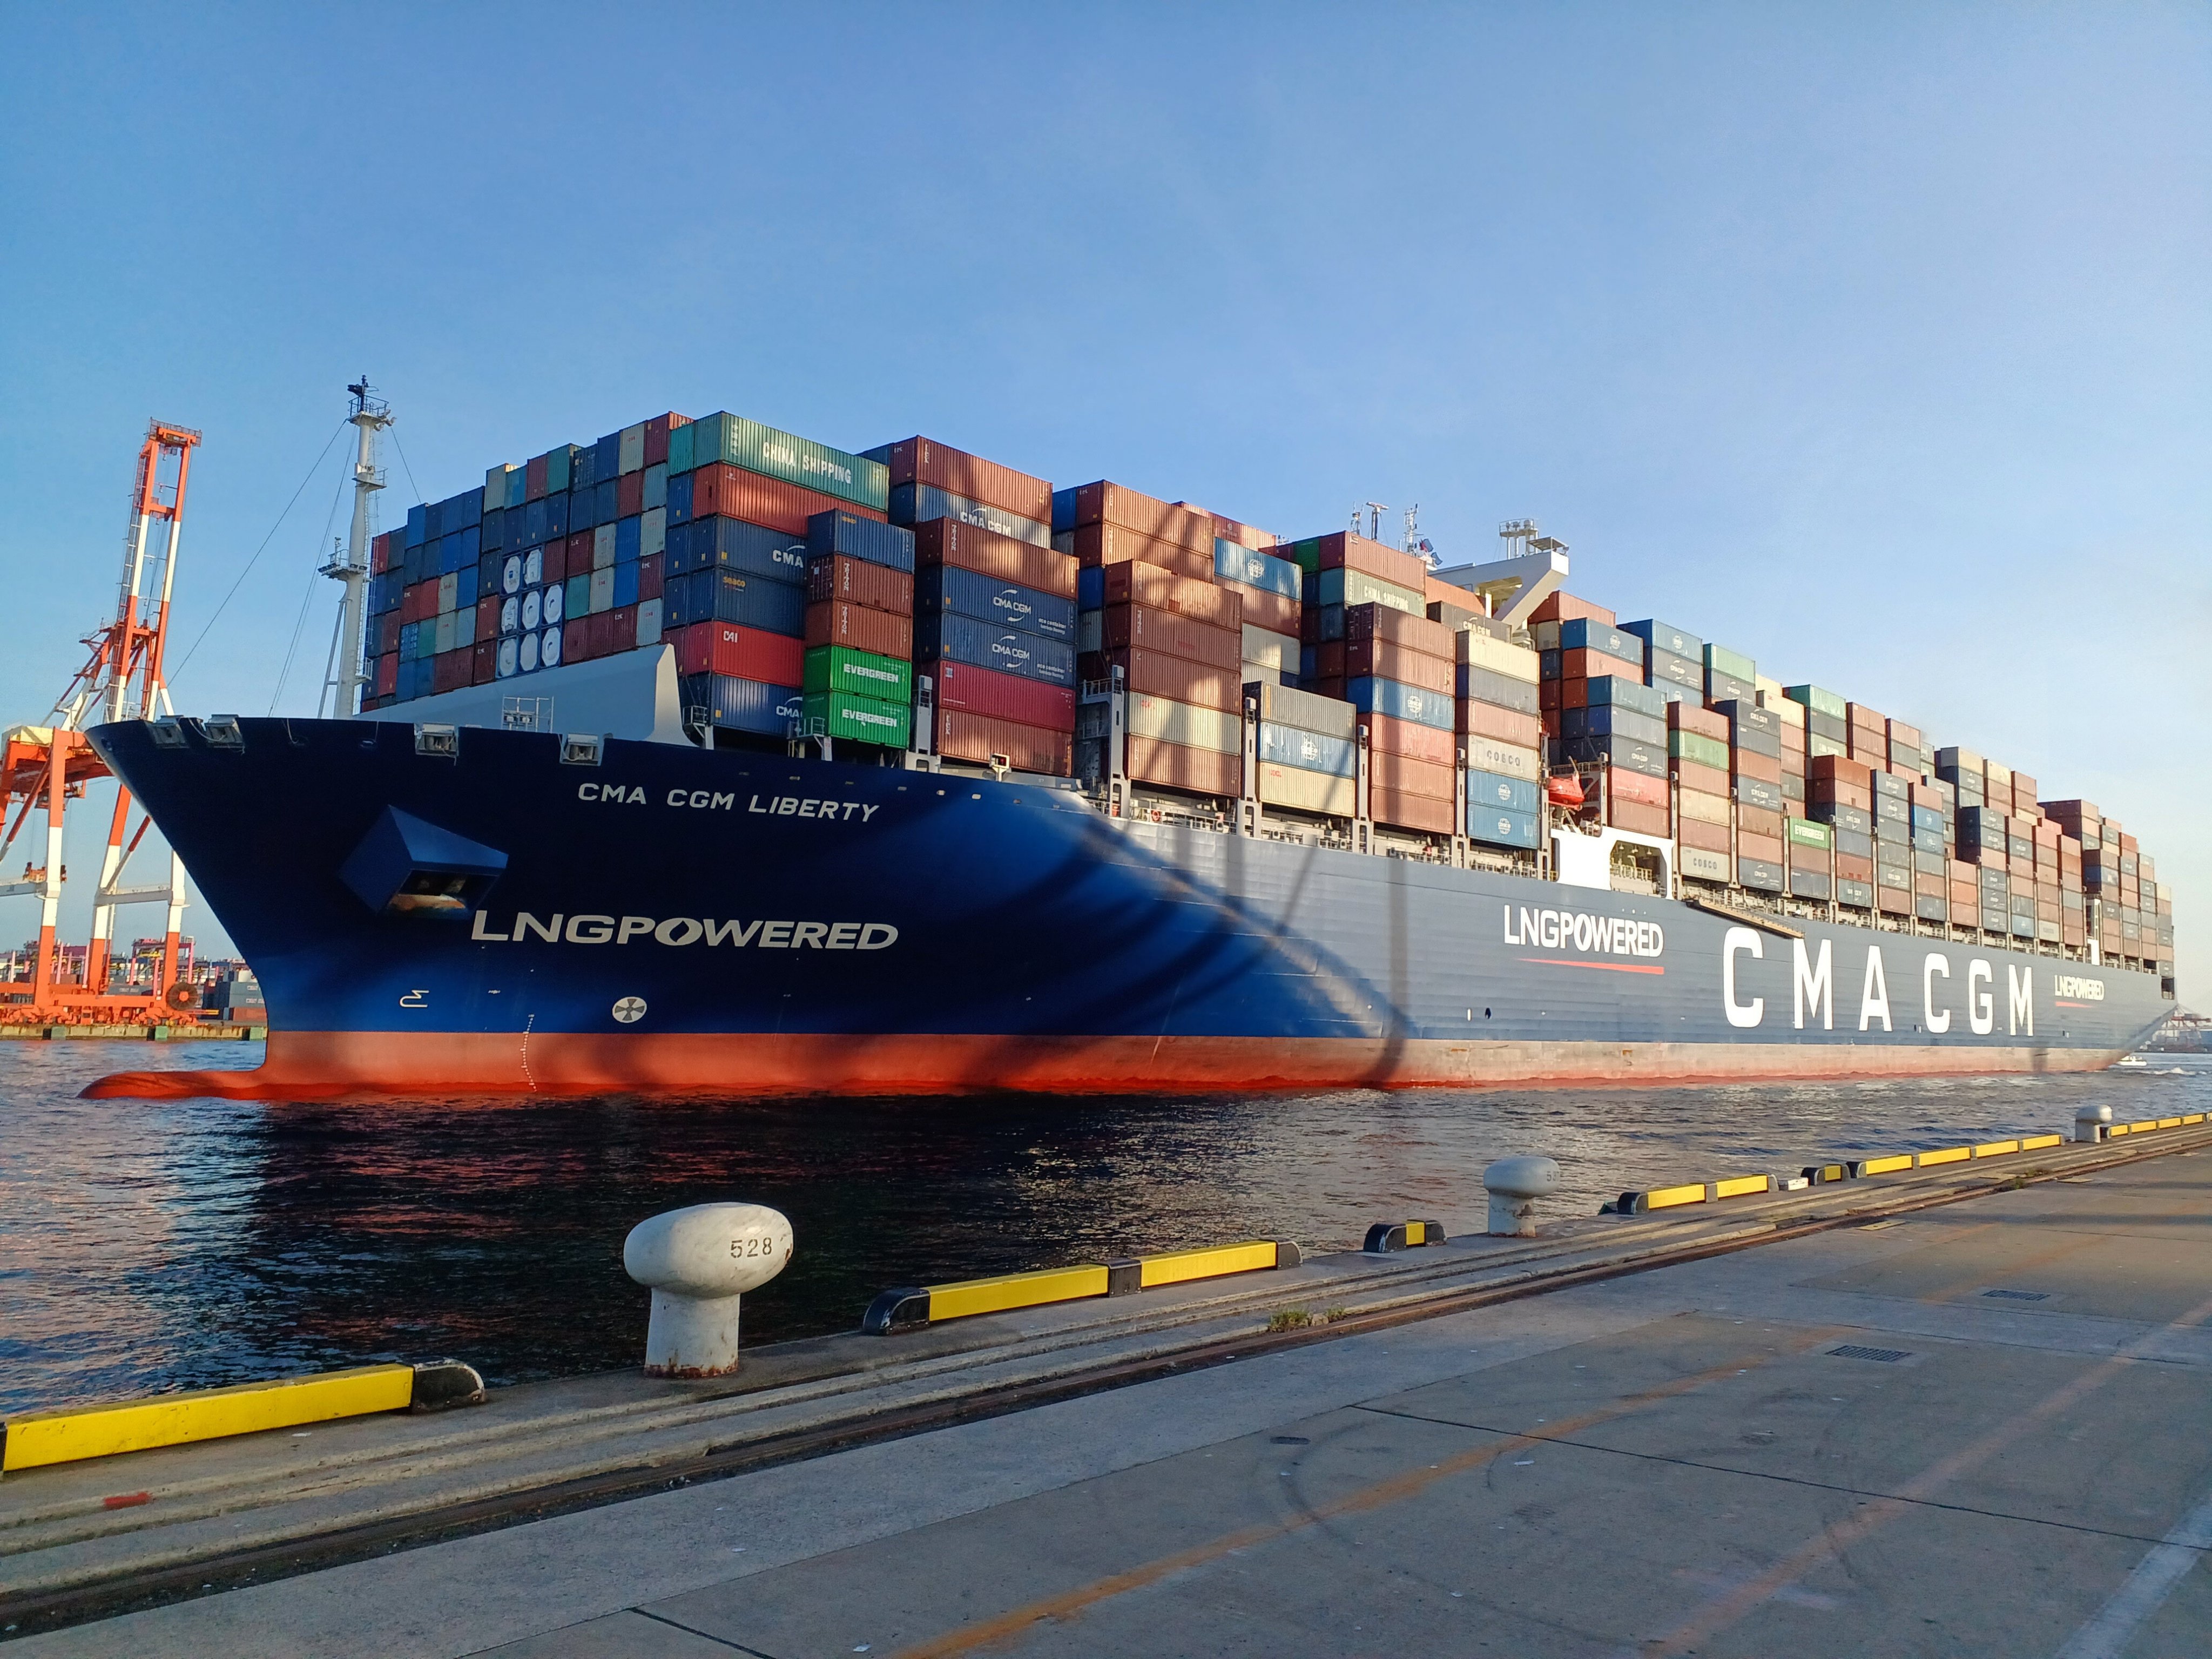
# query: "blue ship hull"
[[500, 919]]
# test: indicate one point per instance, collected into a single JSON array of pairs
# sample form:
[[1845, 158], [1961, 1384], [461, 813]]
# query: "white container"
[[1168, 721], [603, 548], [1703, 864], [449, 590], [445, 634], [652, 528], [648, 622], [1480, 650], [603, 590], [1488, 755], [1267, 650], [1701, 808], [1307, 792], [656, 486]]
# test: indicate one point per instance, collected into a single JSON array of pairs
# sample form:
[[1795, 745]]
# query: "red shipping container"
[[1584, 664], [962, 736], [598, 633], [1757, 821], [721, 489], [1348, 551], [1636, 817], [449, 670], [1160, 675], [1131, 583], [621, 628], [837, 622], [1142, 628], [1849, 867], [553, 561], [649, 577], [484, 662], [1183, 526], [861, 582], [384, 632], [1766, 768], [1203, 771], [1398, 662], [1244, 535], [1109, 545], [387, 674], [1551, 694], [1409, 776], [533, 479], [1703, 779], [984, 691], [1565, 607], [629, 495], [576, 640], [1328, 661], [1388, 736], [1766, 848], [579, 562], [1694, 832], [1686, 717], [656, 435], [380, 554], [1485, 720], [1843, 769], [924, 461], [1006, 558], [1635, 786], [1279, 613], [1403, 811], [488, 617], [1398, 628], [746, 653], [1839, 794]]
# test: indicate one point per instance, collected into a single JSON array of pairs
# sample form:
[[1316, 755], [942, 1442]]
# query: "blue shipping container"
[[626, 583], [725, 596], [464, 588], [679, 497], [608, 465], [418, 525], [744, 705], [971, 593], [1499, 827], [980, 645], [751, 550], [1063, 508], [461, 511], [1581, 634], [1091, 588], [1494, 791], [1606, 721], [626, 542], [1374, 696], [1660, 636], [1234, 562], [494, 529], [857, 538], [918, 503], [1633, 695], [1307, 751]]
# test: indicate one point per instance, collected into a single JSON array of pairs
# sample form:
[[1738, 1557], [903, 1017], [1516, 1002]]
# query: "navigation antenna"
[[1373, 512], [371, 415], [1414, 542], [1524, 540]]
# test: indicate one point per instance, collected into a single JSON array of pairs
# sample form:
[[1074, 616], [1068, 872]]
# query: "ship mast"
[[370, 415]]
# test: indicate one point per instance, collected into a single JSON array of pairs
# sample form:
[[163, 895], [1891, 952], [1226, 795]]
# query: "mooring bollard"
[[699, 1262], [2089, 1122], [1514, 1185]]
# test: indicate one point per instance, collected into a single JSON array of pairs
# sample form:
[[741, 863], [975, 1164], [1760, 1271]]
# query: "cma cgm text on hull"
[[924, 931]]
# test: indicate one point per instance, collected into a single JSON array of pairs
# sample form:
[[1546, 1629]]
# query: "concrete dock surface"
[[1980, 1428]]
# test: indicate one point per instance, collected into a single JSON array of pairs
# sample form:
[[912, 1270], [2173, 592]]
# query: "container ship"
[[709, 758]]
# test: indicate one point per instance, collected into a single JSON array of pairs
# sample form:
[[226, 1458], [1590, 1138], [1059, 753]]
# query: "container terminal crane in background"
[[43, 768]]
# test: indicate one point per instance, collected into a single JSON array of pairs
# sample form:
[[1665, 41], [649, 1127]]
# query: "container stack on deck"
[[918, 597], [994, 606]]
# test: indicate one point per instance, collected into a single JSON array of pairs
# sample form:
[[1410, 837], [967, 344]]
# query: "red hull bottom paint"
[[323, 1064]]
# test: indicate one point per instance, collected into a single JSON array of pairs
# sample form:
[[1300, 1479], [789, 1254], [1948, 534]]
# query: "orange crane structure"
[[43, 768]]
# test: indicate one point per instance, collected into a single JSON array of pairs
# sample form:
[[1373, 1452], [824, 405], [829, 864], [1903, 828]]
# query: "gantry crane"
[[45, 767]]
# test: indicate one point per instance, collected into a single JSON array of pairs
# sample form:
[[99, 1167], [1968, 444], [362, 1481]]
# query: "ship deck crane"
[[43, 768]]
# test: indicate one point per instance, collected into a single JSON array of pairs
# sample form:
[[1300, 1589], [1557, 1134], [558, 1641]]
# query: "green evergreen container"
[[860, 674], [862, 720], [801, 461], [1804, 832]]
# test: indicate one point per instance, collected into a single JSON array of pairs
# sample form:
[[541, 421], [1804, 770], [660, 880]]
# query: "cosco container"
[[1501, 827], [914, 504], [1406, 703], [738, 442], [1496, 791], [1307, 751], [1242, 565]]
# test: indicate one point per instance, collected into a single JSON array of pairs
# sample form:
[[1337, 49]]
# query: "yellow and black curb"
[[1385, 1237], [912, 1306], [1813, 1175], [71, 1434]]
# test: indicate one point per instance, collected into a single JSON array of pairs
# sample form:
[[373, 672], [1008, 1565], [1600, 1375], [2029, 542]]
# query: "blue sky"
[[1873, 341]]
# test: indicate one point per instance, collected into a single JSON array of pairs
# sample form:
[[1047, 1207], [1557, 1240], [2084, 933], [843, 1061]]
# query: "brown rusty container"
[[1131, 583], [1006, 558], [720, 490], [1112, 543], [1486, 720], [1386, 735], [962, 736], [1565, 607], [1177, 766], [1180, 524], [1139, 626], [1406, 775], [1401, 663], [835, 622], [1156, 673], [1706, 779], [860, 581], [926, 461], [1402, 810], [1708, 837], [1398, 628]]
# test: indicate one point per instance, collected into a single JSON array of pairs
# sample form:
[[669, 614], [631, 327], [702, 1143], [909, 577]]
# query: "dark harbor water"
[[146, 1246]]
